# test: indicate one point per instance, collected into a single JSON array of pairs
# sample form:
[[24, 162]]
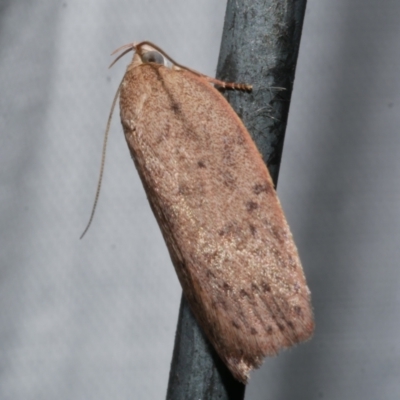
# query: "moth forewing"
[[218, 211]]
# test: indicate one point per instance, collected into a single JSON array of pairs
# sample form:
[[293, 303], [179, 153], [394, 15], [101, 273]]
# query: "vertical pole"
[[260, 45]]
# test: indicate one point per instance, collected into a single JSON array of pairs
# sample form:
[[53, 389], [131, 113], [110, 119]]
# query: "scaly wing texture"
[[219, 213]]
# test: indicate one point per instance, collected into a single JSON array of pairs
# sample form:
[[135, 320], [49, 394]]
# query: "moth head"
[[148, 54], [145, 53]]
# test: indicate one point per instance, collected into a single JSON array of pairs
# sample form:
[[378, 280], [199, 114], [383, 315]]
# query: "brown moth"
[[215, 203]]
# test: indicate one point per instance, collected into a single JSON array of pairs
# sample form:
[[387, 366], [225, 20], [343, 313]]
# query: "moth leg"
[[229, 85], [225, 85]]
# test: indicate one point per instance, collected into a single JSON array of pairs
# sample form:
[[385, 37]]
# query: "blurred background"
[[96, 318]]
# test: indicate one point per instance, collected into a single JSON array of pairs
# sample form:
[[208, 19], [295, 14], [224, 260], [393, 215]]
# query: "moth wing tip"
[[241, 369]]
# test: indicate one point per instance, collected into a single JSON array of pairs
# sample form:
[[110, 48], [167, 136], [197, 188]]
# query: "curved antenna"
[[129, 47], [103, 160]]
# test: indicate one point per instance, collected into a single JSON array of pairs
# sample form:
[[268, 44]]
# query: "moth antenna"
[[129, 47], [125, 46], [103, 160]]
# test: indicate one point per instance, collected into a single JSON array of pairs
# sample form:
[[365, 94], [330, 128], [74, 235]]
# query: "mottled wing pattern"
[[219, 213]]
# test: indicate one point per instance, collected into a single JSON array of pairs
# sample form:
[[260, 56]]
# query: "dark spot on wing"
[[290, 324], [183, 189], [253, 331], [278, 233], [253, 229], [228, 229], [251, 205], [176, 107], [210, 274], [201, 164], [298, 310], [235, 324], [259, 188], [266, 287]]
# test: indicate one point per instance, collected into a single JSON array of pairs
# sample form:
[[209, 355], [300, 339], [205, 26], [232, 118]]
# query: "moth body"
[[218, 211]]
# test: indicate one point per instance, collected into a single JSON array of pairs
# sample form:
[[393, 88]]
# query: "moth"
[[217, 208]]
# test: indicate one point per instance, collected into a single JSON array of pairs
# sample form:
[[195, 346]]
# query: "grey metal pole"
[[260, 44]]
